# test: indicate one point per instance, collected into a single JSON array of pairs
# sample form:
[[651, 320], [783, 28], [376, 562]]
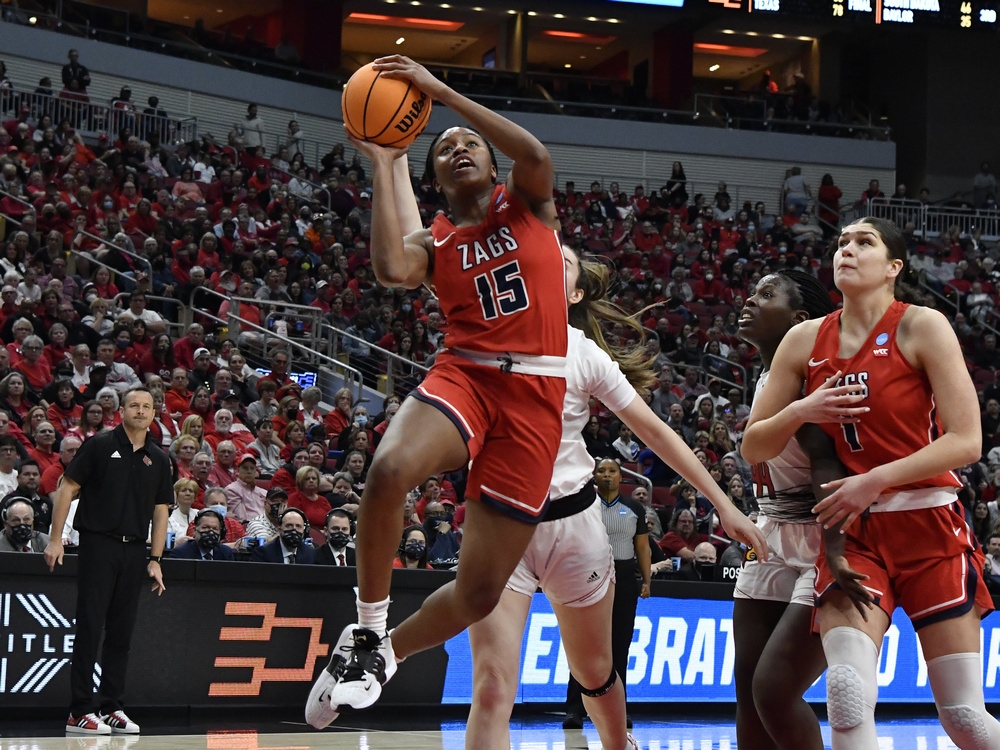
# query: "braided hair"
[[805, 292]]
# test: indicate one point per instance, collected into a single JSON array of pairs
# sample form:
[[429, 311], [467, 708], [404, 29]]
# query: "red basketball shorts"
[[512, 425], [926, 561]]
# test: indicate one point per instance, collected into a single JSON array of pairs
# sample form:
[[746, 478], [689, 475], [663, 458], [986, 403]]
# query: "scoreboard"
[[957, 14]]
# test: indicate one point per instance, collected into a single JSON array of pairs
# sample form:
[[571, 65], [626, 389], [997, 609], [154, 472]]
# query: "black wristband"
[[155, 558]]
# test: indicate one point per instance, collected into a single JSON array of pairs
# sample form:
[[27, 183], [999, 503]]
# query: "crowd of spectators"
[[106, 241]]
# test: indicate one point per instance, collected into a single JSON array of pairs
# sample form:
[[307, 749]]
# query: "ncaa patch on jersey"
[[881, 339]]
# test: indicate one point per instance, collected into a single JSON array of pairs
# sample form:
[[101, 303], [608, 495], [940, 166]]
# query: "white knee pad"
[[956, 681], [851, 690]]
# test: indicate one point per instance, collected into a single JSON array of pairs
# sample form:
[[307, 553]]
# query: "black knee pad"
[[603, 689]]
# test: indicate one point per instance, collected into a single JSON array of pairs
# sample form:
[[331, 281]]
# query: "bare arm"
[[643, 556], [406, 203], [64, 494], [826, 467], [778, 412], [396, 260], [666, 444], [532, 175]]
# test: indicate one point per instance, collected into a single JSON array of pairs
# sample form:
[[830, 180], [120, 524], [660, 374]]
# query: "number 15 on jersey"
[[501, 291]]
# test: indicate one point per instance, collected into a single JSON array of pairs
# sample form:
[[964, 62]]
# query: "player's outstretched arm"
[[666, 444]]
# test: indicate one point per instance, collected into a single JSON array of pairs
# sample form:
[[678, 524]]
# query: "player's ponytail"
[[592, 313]]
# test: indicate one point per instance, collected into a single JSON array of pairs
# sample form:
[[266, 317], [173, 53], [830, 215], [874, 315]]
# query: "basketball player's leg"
[[955, 671], [851, 645], [492, 545], [754, 622], [401, 463], [791, 661], [362, 659], [586, 638], [496, 650]]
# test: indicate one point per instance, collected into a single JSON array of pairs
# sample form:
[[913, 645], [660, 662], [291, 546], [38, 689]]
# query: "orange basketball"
[[386, 111]]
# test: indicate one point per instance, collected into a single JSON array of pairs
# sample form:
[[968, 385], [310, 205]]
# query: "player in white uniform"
[[569, 556], [772, 614]]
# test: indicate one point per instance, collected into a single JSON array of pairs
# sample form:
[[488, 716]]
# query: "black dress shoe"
[[573, 721]]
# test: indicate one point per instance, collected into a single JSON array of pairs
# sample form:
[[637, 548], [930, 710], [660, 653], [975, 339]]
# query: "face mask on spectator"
[[292, 538], [122, 344], [414, 550], [208, 540], [407, 308], [339, 540], [361, 419], [274, 510], [706, 570], [21, 534], [108, 205]]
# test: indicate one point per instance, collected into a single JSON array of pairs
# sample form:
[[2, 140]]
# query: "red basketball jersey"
[[501, 283], [903, 416]]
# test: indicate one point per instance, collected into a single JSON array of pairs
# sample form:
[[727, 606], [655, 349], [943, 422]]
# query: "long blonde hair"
[[594, 311]]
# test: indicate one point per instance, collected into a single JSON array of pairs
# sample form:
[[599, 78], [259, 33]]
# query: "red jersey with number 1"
[[903, 417], [501, 283]]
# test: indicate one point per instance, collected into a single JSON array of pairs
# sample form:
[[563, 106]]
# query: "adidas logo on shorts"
[[593, 577]]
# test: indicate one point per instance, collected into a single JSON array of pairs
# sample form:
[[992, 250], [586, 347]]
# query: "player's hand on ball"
[[373, 151], [402, 67]]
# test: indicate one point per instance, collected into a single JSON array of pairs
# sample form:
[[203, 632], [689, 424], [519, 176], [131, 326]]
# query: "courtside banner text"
[[682, 650]]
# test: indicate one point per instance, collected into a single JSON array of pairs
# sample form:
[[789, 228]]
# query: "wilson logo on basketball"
[[259, 671], [413, 115]]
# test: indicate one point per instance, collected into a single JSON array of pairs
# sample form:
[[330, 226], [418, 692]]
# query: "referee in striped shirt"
[[625, 521]]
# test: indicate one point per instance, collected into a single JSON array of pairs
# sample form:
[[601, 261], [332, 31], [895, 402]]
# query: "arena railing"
[[639, 478], [752, 112], [722, 362], [176, 328], [314, 185], [335, 371], [92, 118], [933, 221], [75, 253], [384, 371], [312, 149]]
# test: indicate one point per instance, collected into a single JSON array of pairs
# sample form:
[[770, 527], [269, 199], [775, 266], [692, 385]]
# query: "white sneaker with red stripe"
[[632, 744], [86, 724], [120, 723]]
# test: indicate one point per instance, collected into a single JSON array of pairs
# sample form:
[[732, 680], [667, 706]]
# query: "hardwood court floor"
[[531, 733]]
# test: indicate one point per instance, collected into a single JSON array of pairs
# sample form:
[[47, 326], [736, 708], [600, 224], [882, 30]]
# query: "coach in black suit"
[[206, 544], [288, 546], [336, 551]]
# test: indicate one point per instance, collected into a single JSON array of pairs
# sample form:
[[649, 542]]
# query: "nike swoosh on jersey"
[[957, 531], [439, 243], [814, 363]]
